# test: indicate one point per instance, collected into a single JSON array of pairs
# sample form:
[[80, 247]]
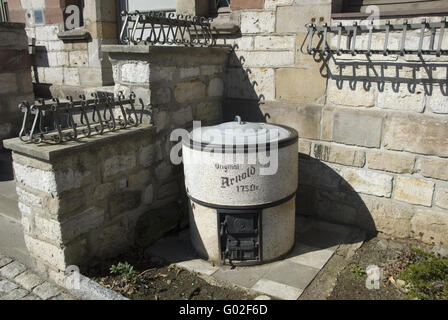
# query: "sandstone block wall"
[[61, 68], [15, 78], [92, 199], [78, 206], [373, 153], [181, 84]]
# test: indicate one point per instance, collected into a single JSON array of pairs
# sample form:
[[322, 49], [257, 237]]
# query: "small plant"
[[358, 270], [123, 269], [427, 276]]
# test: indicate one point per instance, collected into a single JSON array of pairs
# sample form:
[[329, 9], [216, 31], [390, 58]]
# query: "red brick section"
[[53, 15], [62, 3], [246, 4], [13, 60], [14, 4], [53, 3], [17, 15]]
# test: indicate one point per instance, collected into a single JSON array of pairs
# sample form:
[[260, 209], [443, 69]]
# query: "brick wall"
[[374, 158], [15, 77]]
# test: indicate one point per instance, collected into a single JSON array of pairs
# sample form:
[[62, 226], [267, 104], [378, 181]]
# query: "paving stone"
[[198, 265], [12, 270], [15, 294], [28, 280], [243, 276], [62, 296], [315, 237], [263, 297], [310, 256], [46, 291], [284, 279], [173, 249], [278, 290], [343, 231], [292, 274], [4, 261], [31, 297], [7, 286]]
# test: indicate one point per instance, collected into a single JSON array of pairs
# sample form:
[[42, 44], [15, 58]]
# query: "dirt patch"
[[392, 256], [153, 279]]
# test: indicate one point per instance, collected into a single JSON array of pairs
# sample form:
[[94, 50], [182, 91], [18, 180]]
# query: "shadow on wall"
[[401, 75], [40, 60], [322, 194], [415, 76], [409, 72]]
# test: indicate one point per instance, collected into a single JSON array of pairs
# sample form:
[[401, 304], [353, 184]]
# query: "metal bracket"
[[60, 122], [437, 32], [165, 28]]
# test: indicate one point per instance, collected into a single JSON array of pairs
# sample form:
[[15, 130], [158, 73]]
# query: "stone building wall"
[[78, 206], [374, 158], [172, 78], [15, 78], [92, 199], [64, 63]]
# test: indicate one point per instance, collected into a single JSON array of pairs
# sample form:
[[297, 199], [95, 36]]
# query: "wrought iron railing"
[[58, 121], [165, 28], [354, 31]]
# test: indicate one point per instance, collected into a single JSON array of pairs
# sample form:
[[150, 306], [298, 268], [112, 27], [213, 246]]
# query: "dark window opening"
[[216, 6], [388, 8], [222, 3], [4, 14]]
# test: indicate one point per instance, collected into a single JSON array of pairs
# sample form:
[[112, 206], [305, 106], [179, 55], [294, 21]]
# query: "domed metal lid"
[[241, 134]]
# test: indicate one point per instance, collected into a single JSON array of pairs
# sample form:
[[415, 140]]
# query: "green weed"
[[427, 277]]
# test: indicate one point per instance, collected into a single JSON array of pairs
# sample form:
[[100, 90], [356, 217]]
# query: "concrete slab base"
[[286, 279]]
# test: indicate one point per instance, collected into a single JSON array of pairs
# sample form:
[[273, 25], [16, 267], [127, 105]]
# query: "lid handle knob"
[[238, 119]]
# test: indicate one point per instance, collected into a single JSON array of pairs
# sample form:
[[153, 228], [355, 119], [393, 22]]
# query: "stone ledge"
[[48, 152], [74, 35], [227, 23], [12, 25], [116, 48]]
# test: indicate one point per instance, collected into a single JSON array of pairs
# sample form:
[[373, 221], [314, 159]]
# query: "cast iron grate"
[[240, 235]]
